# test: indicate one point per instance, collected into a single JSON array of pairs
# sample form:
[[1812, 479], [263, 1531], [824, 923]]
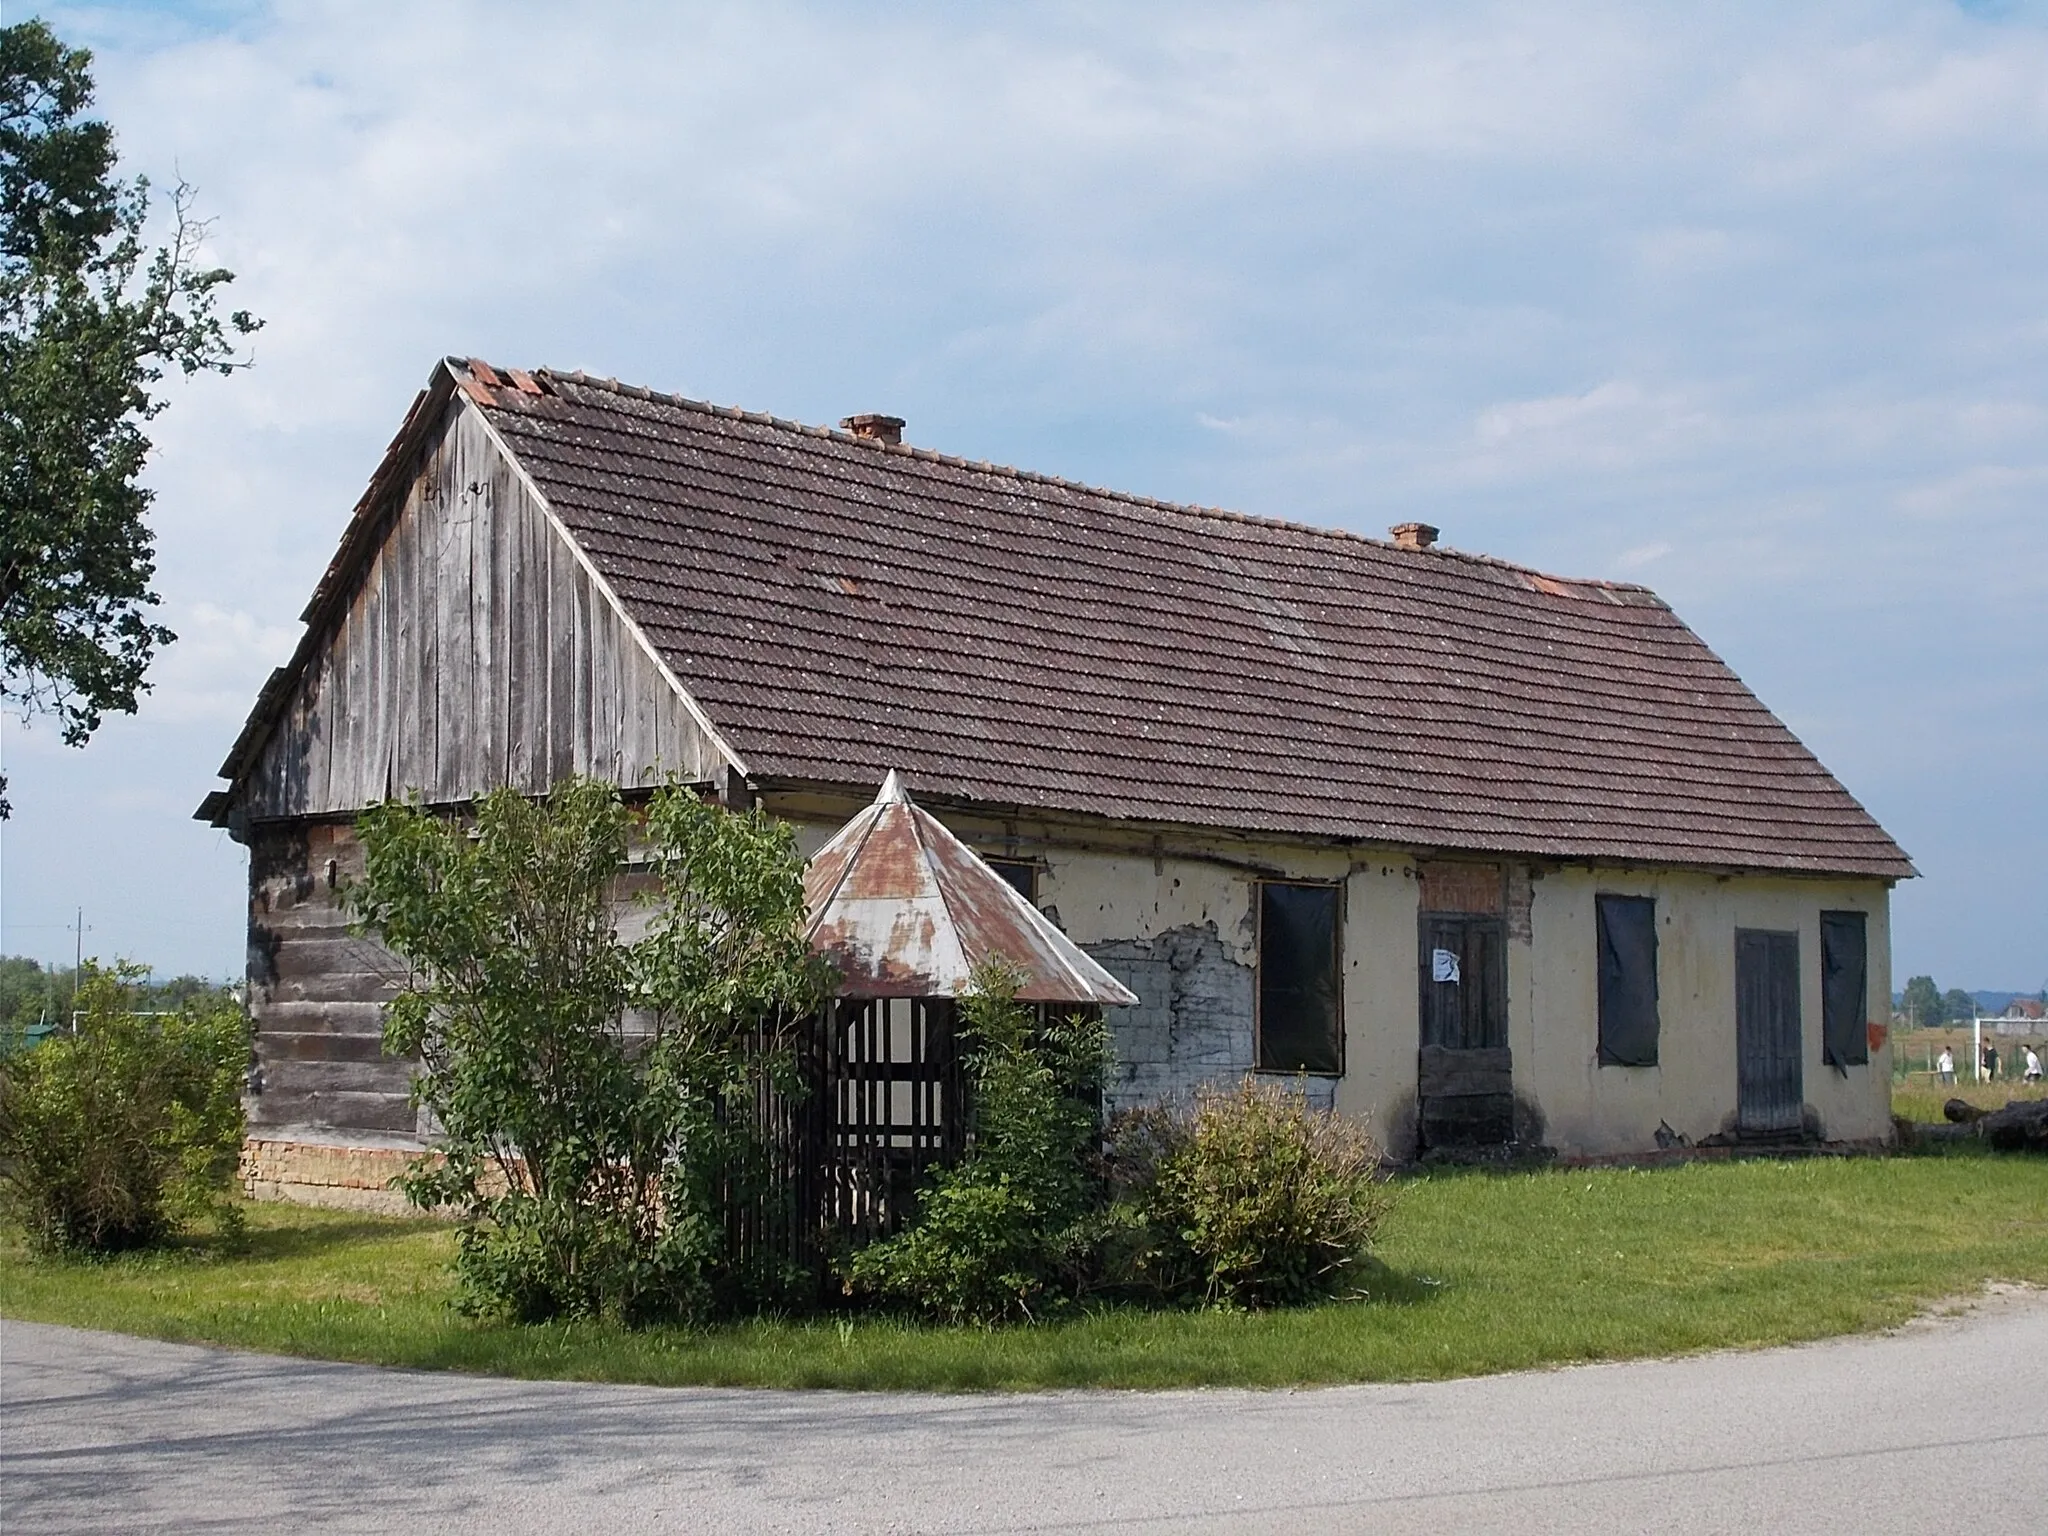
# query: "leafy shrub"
[[117, 1135], [596, 1096], [1005, 1233], [1248, 1198]]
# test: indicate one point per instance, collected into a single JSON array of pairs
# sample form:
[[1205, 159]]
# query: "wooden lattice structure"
[[905, 912]]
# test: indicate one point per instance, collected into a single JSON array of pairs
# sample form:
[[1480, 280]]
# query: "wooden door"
[[1769, 1092], [1465, 1077]]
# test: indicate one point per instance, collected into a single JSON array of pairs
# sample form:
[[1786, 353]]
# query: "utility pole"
[[77, 964]]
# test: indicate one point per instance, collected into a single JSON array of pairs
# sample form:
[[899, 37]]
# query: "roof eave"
[[1889, 868]]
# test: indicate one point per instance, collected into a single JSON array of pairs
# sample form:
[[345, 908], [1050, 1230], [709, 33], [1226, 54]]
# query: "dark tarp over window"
[[1628, 980], [1844, 982], [1299, 1026]]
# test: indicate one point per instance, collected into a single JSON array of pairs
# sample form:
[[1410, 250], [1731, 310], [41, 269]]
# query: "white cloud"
[[1972, 491], [212, 672], [1613, 426], [1642, 555], [1681, 251]]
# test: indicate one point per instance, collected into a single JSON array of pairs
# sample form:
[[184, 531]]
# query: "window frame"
[[1336, 888], [1603, 1056], [1032, 871]]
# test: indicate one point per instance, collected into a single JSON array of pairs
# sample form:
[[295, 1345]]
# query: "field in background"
[[1918, 1094], [1480, 1272]]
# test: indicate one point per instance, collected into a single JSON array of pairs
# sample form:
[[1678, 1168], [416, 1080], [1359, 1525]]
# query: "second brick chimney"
[[1413, 535], [882, 429]]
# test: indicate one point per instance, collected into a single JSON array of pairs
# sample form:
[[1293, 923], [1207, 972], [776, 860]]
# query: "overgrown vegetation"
[[1007, 1233], [599, 1099], [116, 1136], [37, 999], [1475, 1272], [595, 1094], [1248, 1198]]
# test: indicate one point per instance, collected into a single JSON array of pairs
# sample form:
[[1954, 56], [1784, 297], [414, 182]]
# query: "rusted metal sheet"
[[903, 908]]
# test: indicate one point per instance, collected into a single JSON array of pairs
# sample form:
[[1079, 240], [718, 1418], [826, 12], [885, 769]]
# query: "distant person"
[[2033, 1072], [1945, 1065], [1989, 1063]]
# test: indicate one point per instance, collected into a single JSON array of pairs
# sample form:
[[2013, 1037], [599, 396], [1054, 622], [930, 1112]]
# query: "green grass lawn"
[[1482, 1272]]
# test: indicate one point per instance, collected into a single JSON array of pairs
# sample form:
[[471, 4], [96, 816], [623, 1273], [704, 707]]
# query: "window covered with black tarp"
[[1844, 983], [1300, 1023], [1628, 980]]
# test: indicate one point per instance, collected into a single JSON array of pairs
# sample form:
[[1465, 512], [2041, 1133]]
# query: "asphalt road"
[[1940, 1427]]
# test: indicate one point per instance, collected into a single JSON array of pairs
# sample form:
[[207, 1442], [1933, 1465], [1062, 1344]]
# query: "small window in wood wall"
[[1300, 1024]]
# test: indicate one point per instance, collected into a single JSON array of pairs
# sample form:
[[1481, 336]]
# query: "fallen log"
[[1962, 1112], [2022, 1126]]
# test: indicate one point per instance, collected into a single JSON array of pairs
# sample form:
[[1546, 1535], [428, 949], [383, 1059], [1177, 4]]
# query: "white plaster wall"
[[1381, 993], [1107, 896], [1553, 1007]]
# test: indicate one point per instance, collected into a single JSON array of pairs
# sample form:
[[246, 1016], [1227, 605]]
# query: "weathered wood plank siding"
[[317, 993], [476, 651]]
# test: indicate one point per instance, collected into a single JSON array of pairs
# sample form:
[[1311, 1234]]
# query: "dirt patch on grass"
[[1998, 1298]]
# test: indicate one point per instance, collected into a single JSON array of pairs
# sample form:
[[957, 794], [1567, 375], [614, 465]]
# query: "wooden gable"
[[476, 648]]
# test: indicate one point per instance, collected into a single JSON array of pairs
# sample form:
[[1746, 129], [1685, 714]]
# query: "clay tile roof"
[[840, 606], [903, 908]]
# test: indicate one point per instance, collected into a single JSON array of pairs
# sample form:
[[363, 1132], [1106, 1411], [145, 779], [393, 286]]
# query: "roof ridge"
[[1037, 477]]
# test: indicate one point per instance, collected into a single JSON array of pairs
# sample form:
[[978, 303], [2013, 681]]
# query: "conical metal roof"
[[903, 908]]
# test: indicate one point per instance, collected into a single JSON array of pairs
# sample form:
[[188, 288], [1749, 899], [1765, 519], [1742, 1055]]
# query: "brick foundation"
[[314, 1173]]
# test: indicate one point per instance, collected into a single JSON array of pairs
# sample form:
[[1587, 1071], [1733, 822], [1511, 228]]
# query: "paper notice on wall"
[[1443, 965]]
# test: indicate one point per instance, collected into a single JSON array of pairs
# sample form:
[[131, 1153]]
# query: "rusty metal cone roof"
[[903, 908]]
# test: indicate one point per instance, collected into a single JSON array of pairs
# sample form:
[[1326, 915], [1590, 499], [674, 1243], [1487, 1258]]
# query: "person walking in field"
[[1945, 1065], [2033, 1072], [1989, 1062]]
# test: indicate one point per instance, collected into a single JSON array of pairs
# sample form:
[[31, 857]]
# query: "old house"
[[1481, 853]]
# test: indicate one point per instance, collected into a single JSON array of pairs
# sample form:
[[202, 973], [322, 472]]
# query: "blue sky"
[[1745, 302]]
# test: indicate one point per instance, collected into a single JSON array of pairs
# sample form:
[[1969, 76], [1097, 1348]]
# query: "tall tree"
[[1923, 1002], [91, 319]]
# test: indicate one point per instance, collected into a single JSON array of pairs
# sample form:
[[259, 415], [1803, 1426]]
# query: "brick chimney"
[[1413, 535], [882, 429]]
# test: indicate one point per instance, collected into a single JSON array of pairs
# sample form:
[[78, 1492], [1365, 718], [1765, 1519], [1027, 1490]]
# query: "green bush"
[[118, 1135], [1249, 1198], [1006, 1233], [596, 1095]]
